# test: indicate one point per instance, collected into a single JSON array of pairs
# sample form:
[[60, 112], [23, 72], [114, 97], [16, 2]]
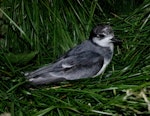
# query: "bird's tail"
[[43, 76]]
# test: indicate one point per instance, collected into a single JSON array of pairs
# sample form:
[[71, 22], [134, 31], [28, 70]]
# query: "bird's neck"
[[103, 43]]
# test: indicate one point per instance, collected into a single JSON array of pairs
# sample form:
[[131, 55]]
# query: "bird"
[[88, 59]]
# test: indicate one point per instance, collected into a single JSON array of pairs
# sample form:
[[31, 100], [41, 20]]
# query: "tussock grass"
[[34, 33]]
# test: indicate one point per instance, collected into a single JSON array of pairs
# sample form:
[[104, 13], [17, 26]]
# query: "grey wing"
[[83, 65]]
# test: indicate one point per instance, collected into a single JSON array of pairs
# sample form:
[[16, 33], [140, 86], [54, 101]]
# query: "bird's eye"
[[101, 35]]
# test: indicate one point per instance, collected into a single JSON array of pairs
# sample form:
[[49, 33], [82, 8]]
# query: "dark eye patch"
[[101, 35]]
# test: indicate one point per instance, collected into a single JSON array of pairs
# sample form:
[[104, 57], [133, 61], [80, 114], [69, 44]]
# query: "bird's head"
[[103, 35]]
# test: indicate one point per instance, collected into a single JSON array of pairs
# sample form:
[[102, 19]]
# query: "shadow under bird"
[[88, 59]]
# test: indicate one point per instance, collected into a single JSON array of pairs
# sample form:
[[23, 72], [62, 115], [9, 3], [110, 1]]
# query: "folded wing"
[[81, 65]]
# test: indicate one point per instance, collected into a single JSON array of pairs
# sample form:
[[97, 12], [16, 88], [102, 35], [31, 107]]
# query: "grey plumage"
[[88, 59]]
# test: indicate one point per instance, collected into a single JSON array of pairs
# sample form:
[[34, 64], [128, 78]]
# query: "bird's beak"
[[116, 41]]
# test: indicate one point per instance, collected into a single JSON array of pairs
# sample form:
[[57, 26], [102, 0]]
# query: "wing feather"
[[74, 65]]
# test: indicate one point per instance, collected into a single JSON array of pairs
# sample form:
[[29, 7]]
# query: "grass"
[[38, 32]]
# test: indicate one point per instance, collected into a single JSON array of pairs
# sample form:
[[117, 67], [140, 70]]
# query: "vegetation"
[[36, 32]]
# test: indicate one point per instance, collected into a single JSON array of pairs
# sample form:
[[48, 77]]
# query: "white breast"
[[106, 62]]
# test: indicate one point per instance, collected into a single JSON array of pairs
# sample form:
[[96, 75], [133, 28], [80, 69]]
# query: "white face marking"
[[104, 42], [104, 36]]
